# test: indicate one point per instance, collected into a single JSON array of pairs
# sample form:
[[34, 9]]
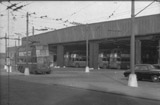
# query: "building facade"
[[102, 39]]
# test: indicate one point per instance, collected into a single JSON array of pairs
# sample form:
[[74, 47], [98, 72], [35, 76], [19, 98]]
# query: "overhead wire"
[[11, 12], [74, 13], [109, 15], [123, 13], [64, 22], [112, 14], [59, 20], [145, 7], [46, 20]]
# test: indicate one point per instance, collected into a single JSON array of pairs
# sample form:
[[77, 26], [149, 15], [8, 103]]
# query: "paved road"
[[29, 93]]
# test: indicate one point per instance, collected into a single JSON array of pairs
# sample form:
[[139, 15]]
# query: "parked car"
[[145, 71], [157, 66]]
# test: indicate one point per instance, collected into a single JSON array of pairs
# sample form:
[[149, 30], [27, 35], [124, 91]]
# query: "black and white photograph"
[[80, 52]]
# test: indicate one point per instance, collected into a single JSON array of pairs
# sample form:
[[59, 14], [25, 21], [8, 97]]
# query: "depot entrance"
[[75, 54], [149, 53], [114, 53]]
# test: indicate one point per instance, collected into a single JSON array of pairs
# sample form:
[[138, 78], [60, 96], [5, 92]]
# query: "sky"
[[54, 15]]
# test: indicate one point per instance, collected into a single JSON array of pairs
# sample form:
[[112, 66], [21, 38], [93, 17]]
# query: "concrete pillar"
[[60, 55], [138, 52], [96, 53], [93, 55]]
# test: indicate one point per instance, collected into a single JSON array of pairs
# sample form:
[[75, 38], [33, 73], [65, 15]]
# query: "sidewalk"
[[111, 81]]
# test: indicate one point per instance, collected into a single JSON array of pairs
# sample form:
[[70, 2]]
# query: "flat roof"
[[144, 25]]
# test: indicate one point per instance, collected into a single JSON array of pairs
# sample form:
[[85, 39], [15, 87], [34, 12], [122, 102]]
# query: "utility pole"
[[15, 55], [18, 40], [18, 46], [87, 67], [27, 27], [6, 48], [132, 77], [8, 62], [33, 30], [8, 59], [132, 39], [26, 72]]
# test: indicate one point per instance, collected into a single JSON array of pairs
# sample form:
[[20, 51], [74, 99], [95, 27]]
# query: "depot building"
[[100, 39]]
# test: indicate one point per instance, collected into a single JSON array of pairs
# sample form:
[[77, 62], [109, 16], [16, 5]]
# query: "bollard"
[[87, 69], [26, 71], [5, 67], [132, 82]]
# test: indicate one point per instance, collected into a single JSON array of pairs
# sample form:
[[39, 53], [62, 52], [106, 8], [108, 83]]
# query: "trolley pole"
[[132, 77]]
